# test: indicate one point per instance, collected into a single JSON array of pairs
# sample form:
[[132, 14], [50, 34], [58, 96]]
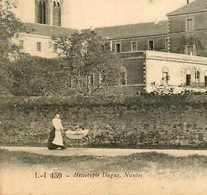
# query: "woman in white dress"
[[55, 138]]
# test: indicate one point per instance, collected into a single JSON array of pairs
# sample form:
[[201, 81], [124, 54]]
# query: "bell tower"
[[49, 12]]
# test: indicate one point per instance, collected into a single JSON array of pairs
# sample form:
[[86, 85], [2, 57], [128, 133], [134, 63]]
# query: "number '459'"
[[56, 175]]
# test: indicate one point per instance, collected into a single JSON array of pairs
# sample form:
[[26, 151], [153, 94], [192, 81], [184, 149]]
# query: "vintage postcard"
[[103, 97]]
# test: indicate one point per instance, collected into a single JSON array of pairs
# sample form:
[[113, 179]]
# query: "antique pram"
[[76, 134]]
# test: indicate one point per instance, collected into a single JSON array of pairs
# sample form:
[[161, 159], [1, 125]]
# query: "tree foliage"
[[35, 76], [10, 27], [88, 60]]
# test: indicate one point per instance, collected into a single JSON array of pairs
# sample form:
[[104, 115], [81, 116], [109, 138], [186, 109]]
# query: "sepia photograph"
[[103, 97]]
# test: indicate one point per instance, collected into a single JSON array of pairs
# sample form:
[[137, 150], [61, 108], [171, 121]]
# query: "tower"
[[49, 12]]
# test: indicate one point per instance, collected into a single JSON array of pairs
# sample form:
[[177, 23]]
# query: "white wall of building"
[[30, 45], [177, 65]]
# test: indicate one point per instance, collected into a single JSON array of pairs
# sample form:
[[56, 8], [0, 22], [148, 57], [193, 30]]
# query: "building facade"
[[151, 70], [136, 37], [39, 41], [187, 29], [154, 54]]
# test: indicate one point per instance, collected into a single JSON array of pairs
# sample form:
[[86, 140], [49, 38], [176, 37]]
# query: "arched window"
[[197, 75], [188, 77], [59, 15], [41, 12], [123, 76], [165, 75]]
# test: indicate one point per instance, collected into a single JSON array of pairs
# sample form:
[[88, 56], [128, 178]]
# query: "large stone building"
[[148, 50], [187, 29]]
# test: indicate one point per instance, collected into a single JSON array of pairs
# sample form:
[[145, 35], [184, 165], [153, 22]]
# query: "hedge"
[[115, 121]]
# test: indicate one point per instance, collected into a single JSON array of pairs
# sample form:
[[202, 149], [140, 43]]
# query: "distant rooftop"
[[131, 30], [193, 7], [47, 30]]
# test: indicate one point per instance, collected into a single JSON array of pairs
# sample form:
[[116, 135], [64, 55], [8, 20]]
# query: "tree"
[[10, 27], [35, 76], [88, 60]]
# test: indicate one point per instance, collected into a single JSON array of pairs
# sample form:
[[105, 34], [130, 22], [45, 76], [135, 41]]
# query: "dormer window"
[[189, 25]]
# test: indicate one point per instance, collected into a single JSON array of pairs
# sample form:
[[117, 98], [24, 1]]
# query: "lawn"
[[140, 162], [142, 173]]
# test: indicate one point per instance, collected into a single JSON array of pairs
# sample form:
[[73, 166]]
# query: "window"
[[105, 46], [165, 75], [55, 48], [166, 44], [134, 46], [151, 45], [205, 81], [117, 47], [56, 11], [102, 79], [197, 75], [21, 44], [41, 13], [123, 76], [189, 25], [82, 81], [197, 78], [91, 79], [189, 49], [188, 77], [39, 46], [102, 47], [69, 81]]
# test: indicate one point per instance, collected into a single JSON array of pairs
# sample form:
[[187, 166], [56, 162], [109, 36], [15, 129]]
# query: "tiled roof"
[[131, 30], [194, 6], [141, 29], [47, 30]]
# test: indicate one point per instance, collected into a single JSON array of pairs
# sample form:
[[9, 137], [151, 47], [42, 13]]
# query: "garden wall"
[[145, 121]]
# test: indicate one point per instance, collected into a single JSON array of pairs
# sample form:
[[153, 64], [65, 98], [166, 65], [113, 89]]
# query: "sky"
[[97, 13]]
